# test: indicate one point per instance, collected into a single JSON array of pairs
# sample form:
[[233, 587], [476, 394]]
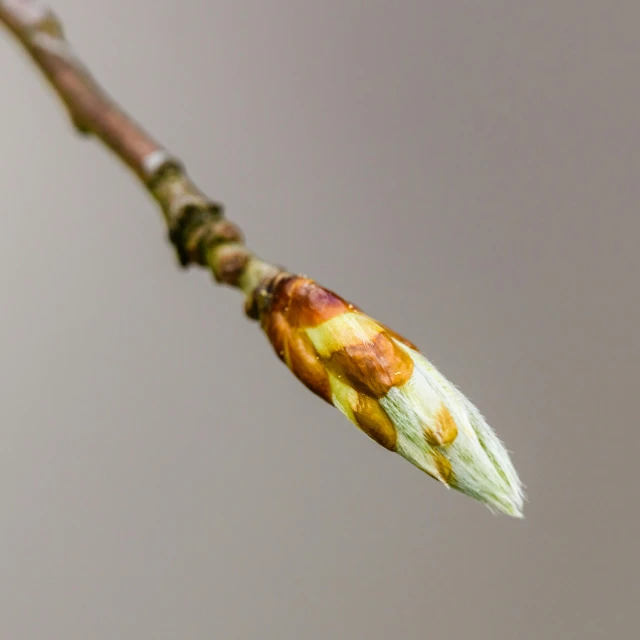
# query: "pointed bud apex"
[[385, 386]]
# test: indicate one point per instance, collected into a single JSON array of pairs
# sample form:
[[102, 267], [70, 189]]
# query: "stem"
[[196, 223]]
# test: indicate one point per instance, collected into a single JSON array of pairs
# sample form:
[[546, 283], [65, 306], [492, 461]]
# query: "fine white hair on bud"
[[478, 464]]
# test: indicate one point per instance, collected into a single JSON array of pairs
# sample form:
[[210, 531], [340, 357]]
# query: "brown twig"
[[374, 376], [196, 224]]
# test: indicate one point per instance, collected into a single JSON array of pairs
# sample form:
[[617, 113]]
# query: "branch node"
[[230, 262], [187, 210], [80, 128], [259, 300]]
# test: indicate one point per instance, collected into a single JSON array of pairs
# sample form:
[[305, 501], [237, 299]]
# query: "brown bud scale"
[[372, 367], [306, 304], [303, 361], [373, 420]]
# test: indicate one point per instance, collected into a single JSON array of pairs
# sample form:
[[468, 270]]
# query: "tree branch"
[[196, 223], [371, 374]]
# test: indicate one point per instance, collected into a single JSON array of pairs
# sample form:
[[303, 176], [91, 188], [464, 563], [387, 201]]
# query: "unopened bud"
[[385, 386]]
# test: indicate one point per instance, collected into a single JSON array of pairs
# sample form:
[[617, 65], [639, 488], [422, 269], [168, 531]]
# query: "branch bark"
[[196, 223]]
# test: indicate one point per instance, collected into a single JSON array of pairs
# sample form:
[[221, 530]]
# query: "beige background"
[[466, 172]]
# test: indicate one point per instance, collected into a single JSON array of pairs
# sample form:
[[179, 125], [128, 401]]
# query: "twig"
[[196, 224], [374, 376]]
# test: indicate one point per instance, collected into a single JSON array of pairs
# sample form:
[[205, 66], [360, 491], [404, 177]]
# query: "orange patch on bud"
[[443, 466], [446, 430], [374, 421]]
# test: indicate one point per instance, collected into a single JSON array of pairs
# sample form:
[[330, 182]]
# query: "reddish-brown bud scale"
[[306, 304], [302, 359], [371, 366], [294, 302]]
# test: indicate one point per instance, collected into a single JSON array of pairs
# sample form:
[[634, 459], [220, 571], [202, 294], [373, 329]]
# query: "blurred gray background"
[[467, 173]]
